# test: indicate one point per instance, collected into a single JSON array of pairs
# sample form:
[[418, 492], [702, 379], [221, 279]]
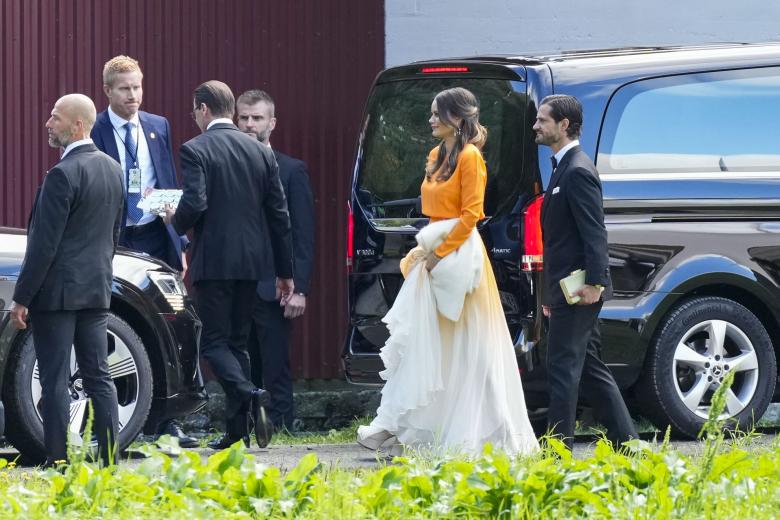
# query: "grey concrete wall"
[[421, 29]]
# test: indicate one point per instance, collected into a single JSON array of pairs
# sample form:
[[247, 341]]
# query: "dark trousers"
[[269, 352], [152, 239], [225, 308], [574, 368], [54, 332]]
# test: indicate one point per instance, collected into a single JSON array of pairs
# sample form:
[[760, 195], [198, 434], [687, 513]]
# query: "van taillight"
[[532, 236], [350, 236]]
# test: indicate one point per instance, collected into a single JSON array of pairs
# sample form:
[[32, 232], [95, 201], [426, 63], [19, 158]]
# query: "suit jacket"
[[573, 227], [72, 234], [300, 202], [157, 131], [234, 201]]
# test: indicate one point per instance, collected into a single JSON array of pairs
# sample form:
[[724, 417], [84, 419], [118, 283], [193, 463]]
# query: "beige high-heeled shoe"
[[392, 447], [373, 441]]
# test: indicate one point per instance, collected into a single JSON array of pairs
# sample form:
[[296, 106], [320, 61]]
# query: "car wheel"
[[698, 343], [130, 370]]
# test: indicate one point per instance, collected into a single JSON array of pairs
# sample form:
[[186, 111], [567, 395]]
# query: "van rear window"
[[397, 139]]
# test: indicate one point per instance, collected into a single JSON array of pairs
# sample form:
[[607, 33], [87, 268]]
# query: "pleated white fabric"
[[452, 380]]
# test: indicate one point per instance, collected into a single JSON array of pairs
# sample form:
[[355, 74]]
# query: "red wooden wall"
[[317, 58]]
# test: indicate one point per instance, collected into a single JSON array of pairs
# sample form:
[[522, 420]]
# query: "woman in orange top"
[[479, 398]]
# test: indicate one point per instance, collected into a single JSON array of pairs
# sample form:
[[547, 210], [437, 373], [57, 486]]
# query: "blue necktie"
[[134, 213], [554, 162]]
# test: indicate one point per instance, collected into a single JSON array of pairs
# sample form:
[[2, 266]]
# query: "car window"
[[397, 139], [710, 122]]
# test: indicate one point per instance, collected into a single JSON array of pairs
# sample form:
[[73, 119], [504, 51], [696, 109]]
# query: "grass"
[[340, 436], [730, 477], [345, 435], [646, 483]]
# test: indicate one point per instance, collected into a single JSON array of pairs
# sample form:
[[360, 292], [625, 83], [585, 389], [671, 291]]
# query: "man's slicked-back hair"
[[566, 107], [217, 96], [119, 65], [251, 97]]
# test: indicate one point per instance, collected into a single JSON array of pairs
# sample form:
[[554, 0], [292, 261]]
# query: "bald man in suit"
[[65, 280]]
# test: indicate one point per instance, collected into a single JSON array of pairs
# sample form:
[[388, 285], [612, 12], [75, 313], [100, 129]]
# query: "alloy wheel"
[[707, 352]]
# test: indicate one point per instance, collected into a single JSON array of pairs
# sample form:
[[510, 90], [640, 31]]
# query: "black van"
[[685, 140]]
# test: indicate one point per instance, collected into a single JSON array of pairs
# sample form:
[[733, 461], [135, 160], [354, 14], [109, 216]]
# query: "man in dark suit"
[[269, 345], [234, 201], [141, 143], [575, 238], [66, 277]]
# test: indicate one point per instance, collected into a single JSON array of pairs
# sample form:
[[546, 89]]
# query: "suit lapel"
[[152, 143], [106, 130], [556, 179]]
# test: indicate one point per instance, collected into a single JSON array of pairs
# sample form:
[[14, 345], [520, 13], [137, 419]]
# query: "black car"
[[685, 140], [153, 338]]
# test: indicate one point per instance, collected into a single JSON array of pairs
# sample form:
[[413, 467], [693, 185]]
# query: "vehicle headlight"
[[171, 286]]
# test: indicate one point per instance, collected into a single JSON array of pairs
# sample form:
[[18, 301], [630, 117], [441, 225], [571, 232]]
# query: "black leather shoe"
[[227, 441], [264, 429], [173, 429]]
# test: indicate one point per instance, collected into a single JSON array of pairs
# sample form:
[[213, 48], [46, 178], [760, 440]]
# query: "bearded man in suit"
[[65, 280], [269, 344], [575, 238]]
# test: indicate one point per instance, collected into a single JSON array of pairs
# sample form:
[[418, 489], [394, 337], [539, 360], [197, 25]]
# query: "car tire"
[[687, 360], [130, 369]]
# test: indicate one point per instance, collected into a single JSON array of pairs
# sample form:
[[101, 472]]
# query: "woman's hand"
[[431, 260]]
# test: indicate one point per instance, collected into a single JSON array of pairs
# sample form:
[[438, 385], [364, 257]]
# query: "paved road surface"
[[353, 456]]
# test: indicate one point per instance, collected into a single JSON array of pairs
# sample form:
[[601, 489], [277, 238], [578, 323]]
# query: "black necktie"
[[554, 162]]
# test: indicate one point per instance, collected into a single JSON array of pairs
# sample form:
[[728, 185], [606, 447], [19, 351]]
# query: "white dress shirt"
[[219, 120], [74, 144], [148, 175], [562, 151]]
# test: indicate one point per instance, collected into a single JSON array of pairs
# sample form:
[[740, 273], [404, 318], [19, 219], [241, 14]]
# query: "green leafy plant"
[[731, 477]]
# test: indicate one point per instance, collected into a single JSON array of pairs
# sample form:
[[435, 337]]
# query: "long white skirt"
[[451, 384]]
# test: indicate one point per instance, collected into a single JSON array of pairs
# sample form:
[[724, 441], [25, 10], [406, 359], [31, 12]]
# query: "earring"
[[457, 131]]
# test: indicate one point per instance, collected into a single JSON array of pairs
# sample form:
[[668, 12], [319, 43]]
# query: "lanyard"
[[133, 156]]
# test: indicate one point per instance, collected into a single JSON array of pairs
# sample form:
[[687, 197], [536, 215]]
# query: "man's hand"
[[285, 287], [167, 216], [295, 307], [546, 311], [588, 294], [431, 260], [19, 316], [183, 264]]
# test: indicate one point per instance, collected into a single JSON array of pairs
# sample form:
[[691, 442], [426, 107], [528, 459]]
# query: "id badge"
[[134, 180]]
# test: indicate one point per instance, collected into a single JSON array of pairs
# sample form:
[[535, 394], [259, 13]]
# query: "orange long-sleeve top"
[[461, 196]]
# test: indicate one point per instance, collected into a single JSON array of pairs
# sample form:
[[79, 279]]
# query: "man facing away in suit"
[[65, 280], [269, 345], [141, 143], [575, 238], [234, 201]]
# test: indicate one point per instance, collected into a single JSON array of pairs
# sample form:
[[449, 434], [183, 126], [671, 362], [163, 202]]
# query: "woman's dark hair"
[[217, 96], [566, 107], [456, 103]]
